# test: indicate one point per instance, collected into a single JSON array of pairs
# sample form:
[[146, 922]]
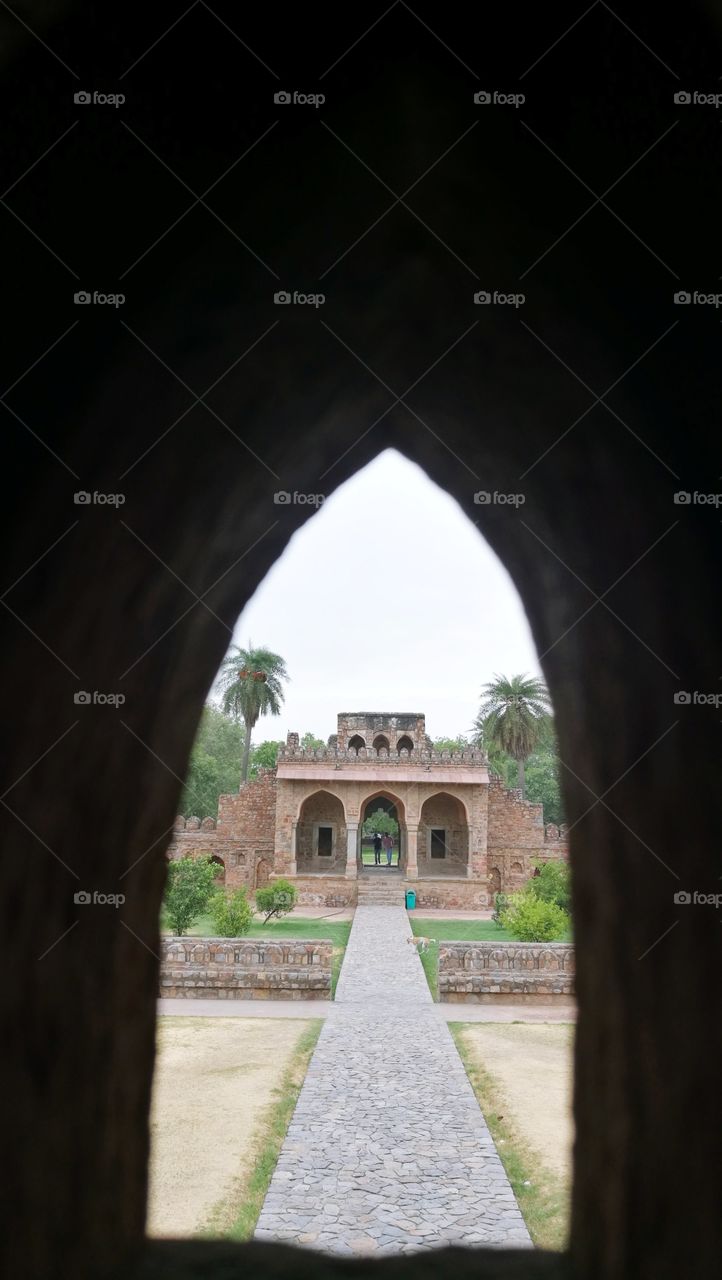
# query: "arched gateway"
[[458, 835]]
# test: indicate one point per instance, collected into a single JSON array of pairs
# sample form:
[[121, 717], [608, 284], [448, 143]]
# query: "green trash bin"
[[410, 899]]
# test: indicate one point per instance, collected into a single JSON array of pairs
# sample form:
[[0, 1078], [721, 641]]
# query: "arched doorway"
[[220, 877], [263, 873], [355, 743], [382, 813], [404, 743], [321, 835], [380, 743], [443, 845]]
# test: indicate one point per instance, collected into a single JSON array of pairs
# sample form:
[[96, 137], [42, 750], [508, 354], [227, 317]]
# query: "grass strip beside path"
[[267, 1144], [542, 1195]]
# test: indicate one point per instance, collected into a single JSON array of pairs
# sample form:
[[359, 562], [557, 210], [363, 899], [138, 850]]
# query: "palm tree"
[[251, 681], [513, 716]]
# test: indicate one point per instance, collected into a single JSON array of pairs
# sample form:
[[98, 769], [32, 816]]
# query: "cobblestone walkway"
[[387, 1151]]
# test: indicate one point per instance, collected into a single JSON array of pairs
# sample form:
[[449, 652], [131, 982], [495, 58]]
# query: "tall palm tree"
[[251, 681], [513, 716]]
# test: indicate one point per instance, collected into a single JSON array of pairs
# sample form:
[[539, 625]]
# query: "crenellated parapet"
[[356, 756]]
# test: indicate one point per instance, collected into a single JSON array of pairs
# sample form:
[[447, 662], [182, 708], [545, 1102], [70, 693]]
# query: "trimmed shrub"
[[276, 899], [232, 913], [530, 919]]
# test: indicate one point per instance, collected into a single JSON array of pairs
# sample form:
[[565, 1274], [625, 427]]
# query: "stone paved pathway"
[[387, 1151]]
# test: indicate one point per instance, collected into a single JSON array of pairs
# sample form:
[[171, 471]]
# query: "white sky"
[[388, 599]]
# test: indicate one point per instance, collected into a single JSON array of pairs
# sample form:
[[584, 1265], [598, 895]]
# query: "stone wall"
[[325, 891], [243, 837], [450, 894], [506, 972], [516, 837], [239, 969]]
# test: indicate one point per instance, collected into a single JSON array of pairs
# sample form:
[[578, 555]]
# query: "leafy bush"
[[276, 899], [552, 884], [531, 919], [232, 913], [189, 887]]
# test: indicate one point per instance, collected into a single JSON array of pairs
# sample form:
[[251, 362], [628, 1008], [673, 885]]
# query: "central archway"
[[392, 821]]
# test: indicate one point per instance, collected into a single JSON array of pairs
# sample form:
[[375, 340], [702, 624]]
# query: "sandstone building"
[[462, 835]]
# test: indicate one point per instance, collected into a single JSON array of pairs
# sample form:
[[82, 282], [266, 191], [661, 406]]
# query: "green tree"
[[276, 899], [214, 763], [232, 913], [542, 784], [264, 756], [309, 742], [513, 716], [251, 684], [189, 887], [382, 822], [451, 744]]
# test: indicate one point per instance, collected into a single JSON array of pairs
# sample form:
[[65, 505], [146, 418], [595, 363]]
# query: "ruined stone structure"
[[462, 835]]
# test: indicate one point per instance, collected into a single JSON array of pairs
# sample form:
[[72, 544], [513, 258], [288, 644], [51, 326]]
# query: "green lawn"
[[367, 857], [451, 931], [336, 931]]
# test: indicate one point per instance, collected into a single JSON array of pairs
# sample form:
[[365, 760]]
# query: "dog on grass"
[[421, 944]]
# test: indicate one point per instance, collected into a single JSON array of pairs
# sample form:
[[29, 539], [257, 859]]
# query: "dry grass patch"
[[522, 1076], [216, 1082]]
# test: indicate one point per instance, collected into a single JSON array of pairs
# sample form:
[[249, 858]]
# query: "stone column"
[[412, 866], [293, 866], [351, 850]]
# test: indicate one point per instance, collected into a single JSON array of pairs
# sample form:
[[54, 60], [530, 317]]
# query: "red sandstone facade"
[[462, 836]]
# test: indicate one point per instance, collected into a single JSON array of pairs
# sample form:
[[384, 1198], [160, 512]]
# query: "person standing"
[[377, 849], [389, 847]]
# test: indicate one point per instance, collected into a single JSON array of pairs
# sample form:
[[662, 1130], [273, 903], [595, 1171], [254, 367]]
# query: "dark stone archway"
[[206, 407]]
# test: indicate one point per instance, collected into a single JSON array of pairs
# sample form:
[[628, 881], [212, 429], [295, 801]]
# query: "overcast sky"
[[389, 600]]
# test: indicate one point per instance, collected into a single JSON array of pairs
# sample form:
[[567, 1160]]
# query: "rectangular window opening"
[[438, 842], [325, 842]]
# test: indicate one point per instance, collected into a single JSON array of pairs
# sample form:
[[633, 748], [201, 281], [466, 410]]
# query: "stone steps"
[[380, 893]]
